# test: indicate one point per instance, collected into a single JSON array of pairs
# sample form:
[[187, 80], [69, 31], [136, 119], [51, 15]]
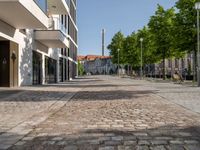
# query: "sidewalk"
[[23, 108], [185, 94], [116, 114]]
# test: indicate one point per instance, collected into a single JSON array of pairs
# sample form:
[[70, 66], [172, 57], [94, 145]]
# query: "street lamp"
[[118, 60], [141, 72], [197, 7]]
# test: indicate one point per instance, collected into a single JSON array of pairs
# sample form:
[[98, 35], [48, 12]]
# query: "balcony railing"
[[55, 24]]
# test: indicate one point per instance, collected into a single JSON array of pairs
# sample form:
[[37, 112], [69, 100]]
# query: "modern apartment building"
[[38, 41]]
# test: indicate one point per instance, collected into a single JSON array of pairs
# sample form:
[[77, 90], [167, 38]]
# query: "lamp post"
[[118, 50], [141, 63], [197, 7]]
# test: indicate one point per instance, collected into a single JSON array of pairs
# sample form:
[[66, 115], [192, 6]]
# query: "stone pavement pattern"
[[21, 109], [111, 114]]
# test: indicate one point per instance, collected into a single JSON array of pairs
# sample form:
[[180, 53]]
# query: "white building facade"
[[38, 41], [100, 66]]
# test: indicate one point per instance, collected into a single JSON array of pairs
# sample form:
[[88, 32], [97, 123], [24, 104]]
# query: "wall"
[[24, 40]]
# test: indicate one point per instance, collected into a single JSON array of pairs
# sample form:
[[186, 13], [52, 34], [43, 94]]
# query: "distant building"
[[184, 66], [97, 65]]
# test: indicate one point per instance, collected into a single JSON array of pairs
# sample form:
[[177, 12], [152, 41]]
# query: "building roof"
[[92, 57], [80, 58]]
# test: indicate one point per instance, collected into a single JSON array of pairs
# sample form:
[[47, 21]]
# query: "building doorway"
[[4, 64], [8, 64]]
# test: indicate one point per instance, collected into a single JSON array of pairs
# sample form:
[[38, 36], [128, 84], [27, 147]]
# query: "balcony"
[[58, 7], [23, 14], [55, 36]]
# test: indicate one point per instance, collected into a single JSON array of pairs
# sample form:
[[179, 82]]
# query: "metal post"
[[141, 71], [198, 52], [103, 41], [118, 61]]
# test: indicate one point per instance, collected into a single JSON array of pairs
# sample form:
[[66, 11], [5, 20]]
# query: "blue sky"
[[113, 15]]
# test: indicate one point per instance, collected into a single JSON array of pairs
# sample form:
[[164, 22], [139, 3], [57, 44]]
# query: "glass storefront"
[[61, 70], [37, 67], [50, 70]]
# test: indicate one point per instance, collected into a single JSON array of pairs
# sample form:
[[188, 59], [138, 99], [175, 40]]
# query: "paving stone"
[[192, 147], [129, 138], [130, 142], [176, 147], [176, 142], [70, 148], [4, 147], [117, 138], [29, 138], [142, 148], [184, 134], [105, 138], [57, 139], [129, 148], [94, 142], [20, 143], [158, 148], [191, 142], [62, 143], [140, 134], [164, 138], [143, 142], [107, 148], [159, 142], [121, 147], [112, 143]]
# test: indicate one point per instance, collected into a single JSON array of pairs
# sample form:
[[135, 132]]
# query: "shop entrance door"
[[4, 64]]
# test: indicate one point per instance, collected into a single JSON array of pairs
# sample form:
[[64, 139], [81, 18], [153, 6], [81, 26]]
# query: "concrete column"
[[43, 69], [58, 71]]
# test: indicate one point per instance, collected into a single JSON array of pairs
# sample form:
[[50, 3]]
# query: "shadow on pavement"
[[110, 95], [39, 96], [161, 138]]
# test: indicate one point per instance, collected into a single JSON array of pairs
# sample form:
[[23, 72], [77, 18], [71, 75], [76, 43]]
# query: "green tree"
[[149, 56], [131, 55], [117, 43], [161, 25], [185, 28], [81, 70]]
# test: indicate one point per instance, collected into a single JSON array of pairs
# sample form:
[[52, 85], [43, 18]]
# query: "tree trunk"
[[163, 65], [194, 65]]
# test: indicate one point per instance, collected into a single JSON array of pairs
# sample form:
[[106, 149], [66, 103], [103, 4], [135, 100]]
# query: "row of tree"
[[170, 33]]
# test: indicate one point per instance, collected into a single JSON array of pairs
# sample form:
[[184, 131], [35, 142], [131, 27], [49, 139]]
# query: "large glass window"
[[42, 4]]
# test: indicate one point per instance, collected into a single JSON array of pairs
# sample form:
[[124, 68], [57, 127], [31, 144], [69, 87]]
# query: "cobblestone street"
[[101, 113]]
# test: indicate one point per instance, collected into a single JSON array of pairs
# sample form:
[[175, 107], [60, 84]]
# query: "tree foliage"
[[117, 43], [170, 33], [81, 70]]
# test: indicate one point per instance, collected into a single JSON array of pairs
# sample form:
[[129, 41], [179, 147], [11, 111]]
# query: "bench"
[[177, 78]]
